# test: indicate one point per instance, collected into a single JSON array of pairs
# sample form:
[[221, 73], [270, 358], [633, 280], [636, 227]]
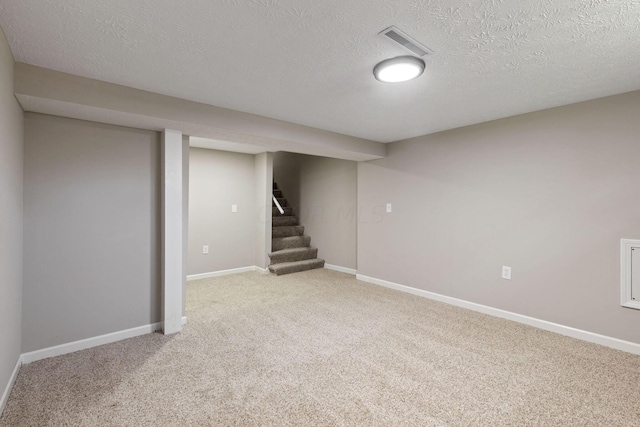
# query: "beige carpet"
[[319, 348]]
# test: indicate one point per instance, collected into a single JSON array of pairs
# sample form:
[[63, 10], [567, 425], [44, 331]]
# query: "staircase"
[[292, 251]]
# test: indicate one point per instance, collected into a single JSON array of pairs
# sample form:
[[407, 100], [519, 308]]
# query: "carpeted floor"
[[319, 348]]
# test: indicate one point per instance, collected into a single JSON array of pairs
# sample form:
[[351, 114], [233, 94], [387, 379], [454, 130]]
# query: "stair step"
[[283, 202], [296, 266], [287, 211], [292, 230], [293, 254], [280, 243], [281, 221], [277, 193]]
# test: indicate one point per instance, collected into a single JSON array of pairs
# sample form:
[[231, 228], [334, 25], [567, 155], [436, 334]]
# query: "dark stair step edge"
[[278, 194], [280, 243], [287, 231], [293, 254], [287, 212], [282, 221], [297, 266]]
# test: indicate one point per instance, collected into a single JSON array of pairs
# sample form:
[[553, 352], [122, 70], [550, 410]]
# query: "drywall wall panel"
[[52, 92], [171, 148], [185, 219], [322, 192], [549, 194], [11, 210], [92, 208], [219, 180], [264, 183]]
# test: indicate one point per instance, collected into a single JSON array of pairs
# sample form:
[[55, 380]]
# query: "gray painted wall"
[[91, 230], [549, 194], [217, 180], [11, 209], [322, 192]]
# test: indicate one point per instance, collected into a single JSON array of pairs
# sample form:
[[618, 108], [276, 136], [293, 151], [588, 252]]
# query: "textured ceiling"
[[310, 62]]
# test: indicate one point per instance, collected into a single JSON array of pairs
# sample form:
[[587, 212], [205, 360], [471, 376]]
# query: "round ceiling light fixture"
[[399, 69]]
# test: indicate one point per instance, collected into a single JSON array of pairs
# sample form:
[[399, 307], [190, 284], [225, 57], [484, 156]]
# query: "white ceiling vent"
[[401, 38]]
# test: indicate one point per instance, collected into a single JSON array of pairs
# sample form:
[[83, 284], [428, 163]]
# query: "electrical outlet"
[[205, 249], [506, 272]]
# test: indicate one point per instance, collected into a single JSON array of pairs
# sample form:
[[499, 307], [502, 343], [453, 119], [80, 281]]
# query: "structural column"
[[264, 190], [172, 274]]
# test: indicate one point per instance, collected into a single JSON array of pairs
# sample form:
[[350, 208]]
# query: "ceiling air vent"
[[401, 38]]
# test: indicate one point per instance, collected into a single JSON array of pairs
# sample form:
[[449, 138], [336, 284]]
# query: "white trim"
[[626, 284], [616, 343], [84, 344], [224, 273], [9, 387], [351, 271], [71, 347], [261, 270]]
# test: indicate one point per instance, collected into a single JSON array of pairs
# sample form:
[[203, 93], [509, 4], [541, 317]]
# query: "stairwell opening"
[[291, 248]]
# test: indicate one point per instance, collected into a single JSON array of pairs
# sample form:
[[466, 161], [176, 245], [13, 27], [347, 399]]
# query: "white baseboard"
[[226, 272], [261, 270], [351, 271], [84, 344], [71, 347], [9, 387], [61, 349], [616, 343]]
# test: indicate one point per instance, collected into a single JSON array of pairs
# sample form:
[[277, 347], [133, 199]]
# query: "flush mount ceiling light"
[[399, 69]]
